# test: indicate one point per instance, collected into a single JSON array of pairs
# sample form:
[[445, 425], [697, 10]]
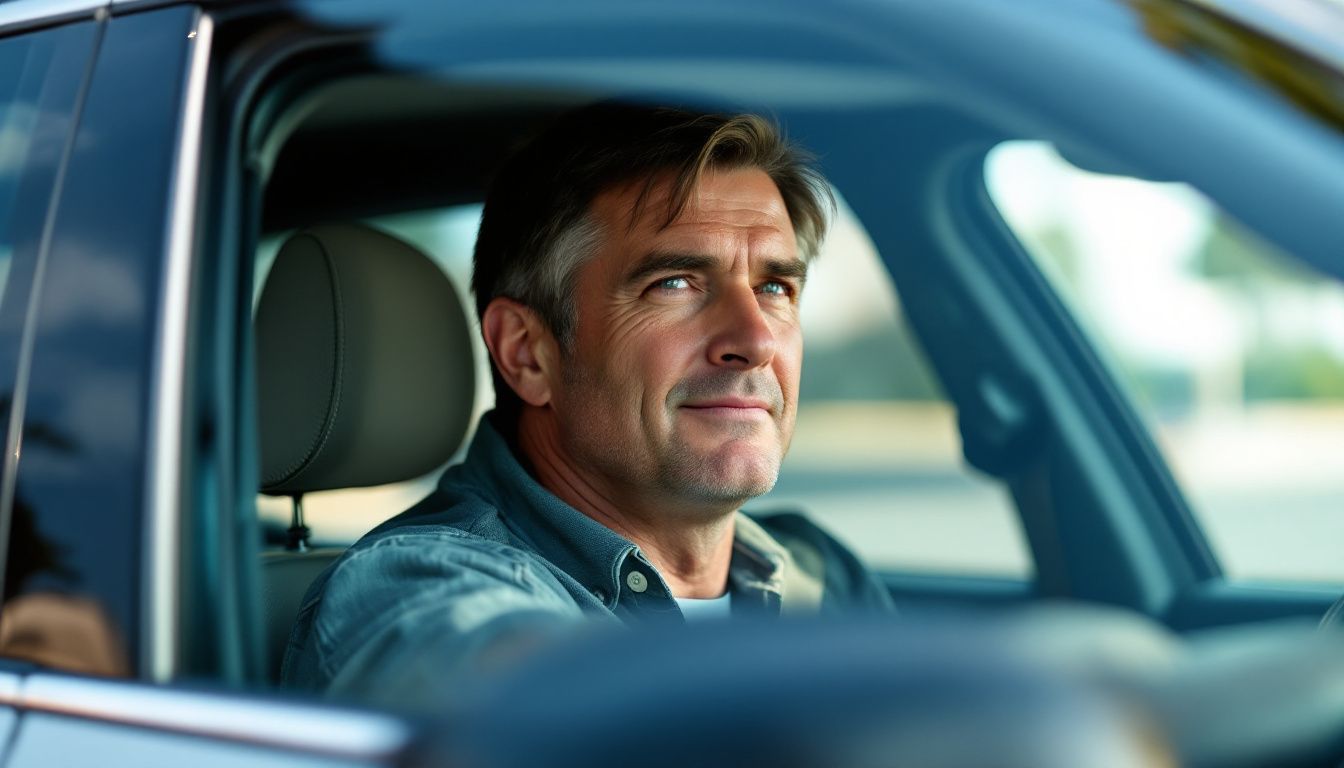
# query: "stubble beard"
[[679, 469], [691, 474], [703, 476]]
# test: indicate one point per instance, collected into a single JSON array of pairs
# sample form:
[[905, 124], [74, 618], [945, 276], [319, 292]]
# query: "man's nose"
[[741, 336]]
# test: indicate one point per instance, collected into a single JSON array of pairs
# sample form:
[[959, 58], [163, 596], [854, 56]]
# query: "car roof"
[[1148, 90]]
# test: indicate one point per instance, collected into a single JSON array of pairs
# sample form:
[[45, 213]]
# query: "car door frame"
[[50, 714]]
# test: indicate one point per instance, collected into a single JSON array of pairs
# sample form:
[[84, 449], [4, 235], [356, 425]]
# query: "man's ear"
[[523, 348]]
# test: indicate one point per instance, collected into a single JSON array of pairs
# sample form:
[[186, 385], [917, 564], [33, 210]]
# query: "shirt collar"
[[758, 560], [588, 551]]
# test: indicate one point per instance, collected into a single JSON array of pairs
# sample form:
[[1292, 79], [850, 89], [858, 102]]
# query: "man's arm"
[[405, 619]]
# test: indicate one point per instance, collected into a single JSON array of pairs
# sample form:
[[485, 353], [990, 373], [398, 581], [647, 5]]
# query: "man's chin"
[[725, 476]]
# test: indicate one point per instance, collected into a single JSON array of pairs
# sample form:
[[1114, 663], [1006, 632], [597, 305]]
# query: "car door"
[[97, 240], [41, 76]]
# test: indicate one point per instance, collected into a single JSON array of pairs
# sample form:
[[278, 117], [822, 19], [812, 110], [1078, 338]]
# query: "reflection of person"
[[46, 627], [638, 274], [66, 632]]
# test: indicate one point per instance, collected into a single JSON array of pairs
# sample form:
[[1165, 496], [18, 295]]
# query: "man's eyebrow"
[[672, 261], [666, 261], [787, 268]]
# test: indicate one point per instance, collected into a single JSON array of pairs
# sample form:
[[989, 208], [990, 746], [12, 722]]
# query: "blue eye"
[[776, 288], [672, 284]]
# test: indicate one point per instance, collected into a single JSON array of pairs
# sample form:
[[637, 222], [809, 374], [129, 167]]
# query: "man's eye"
[[672, 284], [776, 288]]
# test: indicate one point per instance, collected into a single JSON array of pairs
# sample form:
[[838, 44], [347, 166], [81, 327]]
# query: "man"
[[637, 276]]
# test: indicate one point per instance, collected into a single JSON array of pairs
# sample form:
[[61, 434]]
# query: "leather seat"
[[365, 377]]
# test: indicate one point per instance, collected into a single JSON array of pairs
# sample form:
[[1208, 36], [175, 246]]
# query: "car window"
[[1232, 351], [875, 457], [24, 68], [44, 620]]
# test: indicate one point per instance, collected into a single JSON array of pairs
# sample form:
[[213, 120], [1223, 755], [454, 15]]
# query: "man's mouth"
[[730, 407]]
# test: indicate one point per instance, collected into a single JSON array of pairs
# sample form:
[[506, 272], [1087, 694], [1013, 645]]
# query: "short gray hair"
[[548, 286]]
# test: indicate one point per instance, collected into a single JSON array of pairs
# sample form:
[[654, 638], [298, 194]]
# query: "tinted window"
[[81, 470], [40, 75]]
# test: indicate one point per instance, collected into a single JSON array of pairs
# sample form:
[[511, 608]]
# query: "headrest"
[[364, 363]]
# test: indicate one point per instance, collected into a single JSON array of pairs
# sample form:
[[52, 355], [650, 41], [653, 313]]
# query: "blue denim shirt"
[[491, 558]]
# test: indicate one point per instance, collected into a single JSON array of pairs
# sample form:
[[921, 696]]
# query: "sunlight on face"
[[683, 376]]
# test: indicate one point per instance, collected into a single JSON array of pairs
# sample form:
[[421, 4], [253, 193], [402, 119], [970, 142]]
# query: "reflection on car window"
[[20, 80], [45, 619], [875, 456], [1233, 352]]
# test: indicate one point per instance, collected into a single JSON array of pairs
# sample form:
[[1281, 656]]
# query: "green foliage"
[[1235, 254], [1298, 373]]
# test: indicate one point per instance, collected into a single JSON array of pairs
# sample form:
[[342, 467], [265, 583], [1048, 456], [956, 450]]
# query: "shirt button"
[[636, 581]]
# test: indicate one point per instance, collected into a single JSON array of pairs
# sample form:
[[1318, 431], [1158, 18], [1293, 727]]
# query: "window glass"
[[1233, 352], [23, 64], [43, 619], [875, 456]]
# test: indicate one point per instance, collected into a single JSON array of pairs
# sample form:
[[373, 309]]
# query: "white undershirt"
[[704, 609]]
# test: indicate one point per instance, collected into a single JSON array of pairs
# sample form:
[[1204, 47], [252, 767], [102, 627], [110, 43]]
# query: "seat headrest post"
[[298, 533]]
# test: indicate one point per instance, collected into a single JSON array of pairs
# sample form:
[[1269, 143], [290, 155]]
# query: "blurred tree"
[[1233, 253], [1295, 373]]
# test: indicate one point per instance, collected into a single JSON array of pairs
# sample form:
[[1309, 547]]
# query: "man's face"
[[681, 383]]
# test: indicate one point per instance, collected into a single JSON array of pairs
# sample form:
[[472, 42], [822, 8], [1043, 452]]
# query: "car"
[[1074, 379]]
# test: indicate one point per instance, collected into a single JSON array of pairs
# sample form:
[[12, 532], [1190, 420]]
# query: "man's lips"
[[729, 406]]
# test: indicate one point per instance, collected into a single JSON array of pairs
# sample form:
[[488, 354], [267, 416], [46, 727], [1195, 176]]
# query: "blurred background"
[[1233, 356]]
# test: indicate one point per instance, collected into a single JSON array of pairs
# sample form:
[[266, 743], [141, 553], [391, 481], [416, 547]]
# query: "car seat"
[[365, 377]]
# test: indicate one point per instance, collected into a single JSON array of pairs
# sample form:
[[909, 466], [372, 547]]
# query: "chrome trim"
[[236, 718], [11, 689], [164, 480], [20, 14]]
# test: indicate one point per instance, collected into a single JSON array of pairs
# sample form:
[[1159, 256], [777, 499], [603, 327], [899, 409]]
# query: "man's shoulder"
[[442, 533], [427, 542], [422, 578], [448, 510]]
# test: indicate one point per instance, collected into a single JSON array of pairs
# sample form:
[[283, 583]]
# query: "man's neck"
[[691, 550]]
